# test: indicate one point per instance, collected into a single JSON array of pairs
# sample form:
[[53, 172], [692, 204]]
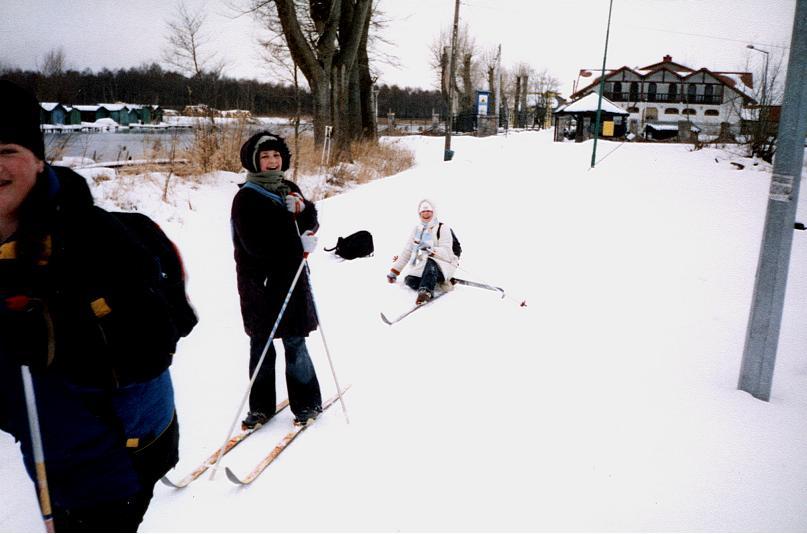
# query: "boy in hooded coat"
[[77, 307], [266, 214], [431, 258]]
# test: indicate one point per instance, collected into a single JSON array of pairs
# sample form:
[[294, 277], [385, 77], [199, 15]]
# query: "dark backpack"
[[356, 245], [169, 274], [455, 243]]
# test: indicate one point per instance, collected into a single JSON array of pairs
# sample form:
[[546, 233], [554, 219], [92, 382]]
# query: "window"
[[708, 90], [711, 113], [617, 87], [692, 90], [689, 111], [673, 90], [671, 111], [634, 90], [651, 88], [633, 109]]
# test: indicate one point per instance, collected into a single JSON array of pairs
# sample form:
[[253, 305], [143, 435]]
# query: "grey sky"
[[559, 35]]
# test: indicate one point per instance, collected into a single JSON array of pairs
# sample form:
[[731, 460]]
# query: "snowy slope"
[[608, 403]]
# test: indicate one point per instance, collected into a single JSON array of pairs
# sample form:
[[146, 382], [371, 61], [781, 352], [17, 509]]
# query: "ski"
[[280, 447], [477, 284], [211, 460], [410, 310]]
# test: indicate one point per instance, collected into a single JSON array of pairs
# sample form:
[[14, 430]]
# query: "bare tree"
[[54, 62], [323, 38], [469, 72], [761, 121], [185, 41]]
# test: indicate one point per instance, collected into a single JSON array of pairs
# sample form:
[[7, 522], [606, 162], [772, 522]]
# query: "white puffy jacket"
[[442, 250]]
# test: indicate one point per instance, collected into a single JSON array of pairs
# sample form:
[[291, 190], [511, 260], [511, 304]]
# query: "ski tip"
[[384, 318], [233, 477], [167, 481]]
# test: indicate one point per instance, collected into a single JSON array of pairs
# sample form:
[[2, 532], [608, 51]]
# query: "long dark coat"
[[268, 253]]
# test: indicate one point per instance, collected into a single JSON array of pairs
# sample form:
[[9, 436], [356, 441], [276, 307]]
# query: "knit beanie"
[[426, 205], [20, 124], [264, 141]]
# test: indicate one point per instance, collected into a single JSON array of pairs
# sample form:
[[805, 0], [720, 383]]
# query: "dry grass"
[[217, 147]]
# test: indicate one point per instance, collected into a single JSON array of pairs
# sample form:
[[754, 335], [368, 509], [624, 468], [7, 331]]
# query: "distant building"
[[52, 113], [577, 119], [666, 93], [89, 113]]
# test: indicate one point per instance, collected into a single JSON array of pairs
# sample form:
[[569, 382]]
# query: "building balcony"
[[704, 99], [673, 98]]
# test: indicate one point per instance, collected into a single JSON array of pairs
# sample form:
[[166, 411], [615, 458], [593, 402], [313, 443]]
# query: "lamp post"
[[602, 87], [764, 73]]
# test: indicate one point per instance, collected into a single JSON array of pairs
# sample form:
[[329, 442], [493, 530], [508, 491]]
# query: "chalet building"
[[666, 93]]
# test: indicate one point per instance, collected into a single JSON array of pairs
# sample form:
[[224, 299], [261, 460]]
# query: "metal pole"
[[322, 334], [764, 74], [36, 445], [602, 87], [447, 153], [765, 318]]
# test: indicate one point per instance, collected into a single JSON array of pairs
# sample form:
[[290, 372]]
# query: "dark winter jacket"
[[98, 342], [267, 254]]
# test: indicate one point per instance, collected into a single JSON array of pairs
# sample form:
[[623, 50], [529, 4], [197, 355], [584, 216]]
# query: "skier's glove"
[[392, 276], [309, 241], [295, 203], [24, 331]]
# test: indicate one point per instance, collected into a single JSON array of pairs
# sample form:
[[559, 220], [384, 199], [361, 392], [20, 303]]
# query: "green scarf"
[[272, 181]]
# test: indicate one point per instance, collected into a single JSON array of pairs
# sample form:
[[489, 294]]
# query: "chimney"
[[667, 58]]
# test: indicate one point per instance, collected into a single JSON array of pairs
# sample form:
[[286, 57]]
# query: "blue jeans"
[[429, 278], [301, 378]]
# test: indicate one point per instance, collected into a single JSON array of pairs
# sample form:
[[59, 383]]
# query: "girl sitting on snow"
[[429, 254]]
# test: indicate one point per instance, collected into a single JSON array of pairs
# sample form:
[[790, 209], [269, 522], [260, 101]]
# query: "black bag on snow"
[[455, 243], [169, 274], [356, 245]]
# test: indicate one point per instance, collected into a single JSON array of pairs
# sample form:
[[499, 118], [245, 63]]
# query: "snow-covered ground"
[[608, 403]]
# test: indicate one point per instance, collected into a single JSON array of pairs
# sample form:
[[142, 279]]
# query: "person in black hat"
[[273, 228], [77, 310]]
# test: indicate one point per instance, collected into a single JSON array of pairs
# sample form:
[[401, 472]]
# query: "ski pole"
[[36, 445], [522, 303], [322, 334], [258, 367]]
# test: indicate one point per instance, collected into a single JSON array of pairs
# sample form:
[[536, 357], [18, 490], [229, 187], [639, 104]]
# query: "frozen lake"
[[116, 146]]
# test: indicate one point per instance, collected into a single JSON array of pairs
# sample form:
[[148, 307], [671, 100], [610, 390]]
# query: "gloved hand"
[[392, 277], [25, 332], [309, 241], [427, 249], [295, 203]]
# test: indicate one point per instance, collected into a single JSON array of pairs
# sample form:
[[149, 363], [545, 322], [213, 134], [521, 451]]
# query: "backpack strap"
[[268, 194], [439, 225]]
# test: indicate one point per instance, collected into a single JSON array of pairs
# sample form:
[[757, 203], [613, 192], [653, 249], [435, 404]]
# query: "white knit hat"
[[426, 205]]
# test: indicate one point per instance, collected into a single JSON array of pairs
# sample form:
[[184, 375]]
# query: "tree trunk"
[[467, 84], [492, 89]]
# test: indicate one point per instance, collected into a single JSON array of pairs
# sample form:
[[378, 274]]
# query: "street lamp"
[[764, 74]]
